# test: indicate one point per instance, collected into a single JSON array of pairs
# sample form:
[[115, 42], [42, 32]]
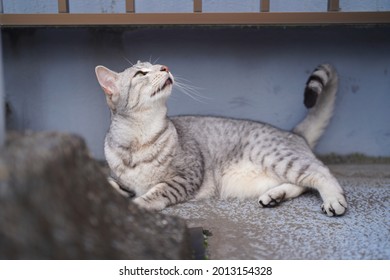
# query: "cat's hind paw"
[[280, 193], [335, 206], [271, 199]]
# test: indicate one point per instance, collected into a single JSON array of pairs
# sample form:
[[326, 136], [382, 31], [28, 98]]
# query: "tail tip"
[[310, 98]]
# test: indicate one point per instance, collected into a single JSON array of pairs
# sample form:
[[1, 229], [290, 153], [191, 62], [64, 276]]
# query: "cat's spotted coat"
[[164, 161]]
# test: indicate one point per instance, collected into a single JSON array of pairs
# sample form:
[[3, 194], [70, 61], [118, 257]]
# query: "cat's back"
[[221, 127], [223, 134], [215, 127]]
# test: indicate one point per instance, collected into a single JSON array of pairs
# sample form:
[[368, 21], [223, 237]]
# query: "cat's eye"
[[140, 73]]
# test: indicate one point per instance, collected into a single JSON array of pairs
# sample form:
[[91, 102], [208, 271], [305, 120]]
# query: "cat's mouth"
[[167, 83]]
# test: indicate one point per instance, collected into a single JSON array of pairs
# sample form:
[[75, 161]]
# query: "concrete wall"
[[255, 73]]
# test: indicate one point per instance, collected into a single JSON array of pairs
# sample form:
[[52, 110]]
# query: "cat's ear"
[[107, 80]]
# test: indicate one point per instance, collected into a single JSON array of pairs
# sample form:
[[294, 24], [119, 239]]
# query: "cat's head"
[[138, 88]]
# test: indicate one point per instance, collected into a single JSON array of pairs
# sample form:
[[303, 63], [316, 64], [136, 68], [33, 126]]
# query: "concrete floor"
[[297, 229]]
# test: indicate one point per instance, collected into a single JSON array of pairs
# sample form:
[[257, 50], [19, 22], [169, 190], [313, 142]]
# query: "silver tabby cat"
[[164, 161]]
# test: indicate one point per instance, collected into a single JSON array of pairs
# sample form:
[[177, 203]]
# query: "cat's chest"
[[140, 178], [136, 170]]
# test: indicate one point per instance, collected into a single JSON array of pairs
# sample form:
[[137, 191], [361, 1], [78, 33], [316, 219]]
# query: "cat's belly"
[[245, 180]]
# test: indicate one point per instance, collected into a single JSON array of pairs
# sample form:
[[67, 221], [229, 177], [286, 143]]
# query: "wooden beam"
[[130, 6], [197, 6], [63, 6], [264, 5], [287, 18], [333, 5]]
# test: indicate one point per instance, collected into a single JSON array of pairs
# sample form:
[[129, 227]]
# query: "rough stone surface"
[[297, 229], [55, 203]]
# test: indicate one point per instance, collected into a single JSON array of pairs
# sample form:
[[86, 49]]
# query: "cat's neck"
[[139, 127]]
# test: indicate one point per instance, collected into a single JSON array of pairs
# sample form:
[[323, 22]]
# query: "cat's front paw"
[[335, 206], [153, 205], [120, 189]]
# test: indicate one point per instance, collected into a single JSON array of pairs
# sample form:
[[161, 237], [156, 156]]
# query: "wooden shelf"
[[263, 17], [260, 18]]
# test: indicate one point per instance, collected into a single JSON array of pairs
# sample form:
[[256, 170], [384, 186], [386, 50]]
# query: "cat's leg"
[[167, 193], [334, 202], [307, 171], [182, 182], [157, 198], [280, 193]]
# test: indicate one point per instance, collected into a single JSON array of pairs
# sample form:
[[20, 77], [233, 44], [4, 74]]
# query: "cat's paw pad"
[[271, 199], [335, 206]]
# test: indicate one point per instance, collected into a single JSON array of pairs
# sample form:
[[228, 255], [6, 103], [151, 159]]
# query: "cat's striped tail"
[[320, 96]]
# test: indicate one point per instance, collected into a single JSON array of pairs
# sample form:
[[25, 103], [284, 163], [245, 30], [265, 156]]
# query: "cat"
[[159, 161]]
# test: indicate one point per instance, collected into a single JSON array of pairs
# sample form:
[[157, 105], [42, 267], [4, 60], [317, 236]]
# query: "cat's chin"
[[165, 90]]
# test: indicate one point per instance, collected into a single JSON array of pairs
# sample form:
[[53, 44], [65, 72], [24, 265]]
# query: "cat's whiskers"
[[155, 61], [189, 90], [125, 58]]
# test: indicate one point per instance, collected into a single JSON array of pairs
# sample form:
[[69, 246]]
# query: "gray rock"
[[55, 203]]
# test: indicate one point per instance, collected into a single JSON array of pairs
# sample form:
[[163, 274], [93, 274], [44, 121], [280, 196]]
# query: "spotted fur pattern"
[[164, 161]]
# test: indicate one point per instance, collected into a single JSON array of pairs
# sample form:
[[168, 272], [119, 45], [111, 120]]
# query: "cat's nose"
[[164, 68]]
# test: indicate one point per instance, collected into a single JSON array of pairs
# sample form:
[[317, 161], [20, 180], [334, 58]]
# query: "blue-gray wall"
[[255, 73]]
